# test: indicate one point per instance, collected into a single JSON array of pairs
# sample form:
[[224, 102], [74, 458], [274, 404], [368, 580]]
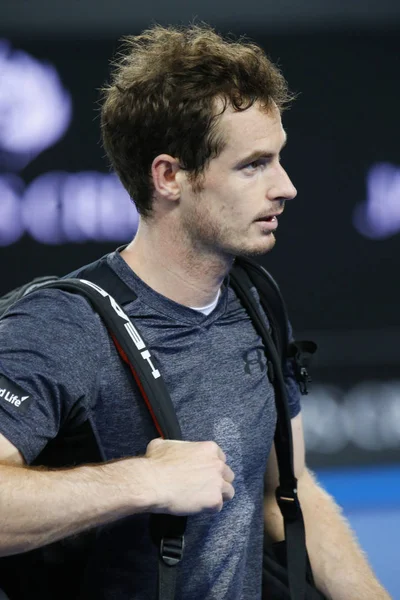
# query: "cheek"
[[230, 200]]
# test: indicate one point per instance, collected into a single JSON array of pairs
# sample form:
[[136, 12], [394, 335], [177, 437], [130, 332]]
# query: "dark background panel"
[[91, 18], [344, 121]]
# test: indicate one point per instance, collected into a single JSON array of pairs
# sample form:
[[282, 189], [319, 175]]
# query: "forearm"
[[38, 507], [340, 568]]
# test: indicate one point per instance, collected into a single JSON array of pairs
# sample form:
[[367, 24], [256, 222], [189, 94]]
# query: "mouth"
[[269, 218], [268, 223]]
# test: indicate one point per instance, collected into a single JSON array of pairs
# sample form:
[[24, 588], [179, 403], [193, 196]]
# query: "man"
[[192, 125]]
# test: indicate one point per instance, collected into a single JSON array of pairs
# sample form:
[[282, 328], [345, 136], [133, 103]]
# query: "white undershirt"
[[206, 310]]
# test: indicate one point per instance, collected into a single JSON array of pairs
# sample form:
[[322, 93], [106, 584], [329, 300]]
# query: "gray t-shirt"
[[58, 352]]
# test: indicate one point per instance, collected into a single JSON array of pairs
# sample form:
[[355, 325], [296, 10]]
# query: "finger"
[[221, 454], [228, 492], [155, 443], [228, 474]]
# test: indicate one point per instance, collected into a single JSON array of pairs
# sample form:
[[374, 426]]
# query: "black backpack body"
[[58, 570]]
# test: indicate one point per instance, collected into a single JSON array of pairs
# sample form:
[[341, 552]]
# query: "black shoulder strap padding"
[[271, 300], [243, 278], [100, 273], [273, 304], [242, 284]]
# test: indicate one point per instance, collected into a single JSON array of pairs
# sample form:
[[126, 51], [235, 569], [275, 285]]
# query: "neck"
[[173, 267]]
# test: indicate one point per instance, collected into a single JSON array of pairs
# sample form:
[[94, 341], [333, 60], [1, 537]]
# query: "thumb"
[[154, 444]]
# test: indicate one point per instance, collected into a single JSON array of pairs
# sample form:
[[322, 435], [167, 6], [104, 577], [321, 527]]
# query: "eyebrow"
[[256, 154]]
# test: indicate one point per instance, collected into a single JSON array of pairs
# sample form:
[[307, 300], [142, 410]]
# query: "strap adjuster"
[[171, 549], [288, 502], [302, 353]]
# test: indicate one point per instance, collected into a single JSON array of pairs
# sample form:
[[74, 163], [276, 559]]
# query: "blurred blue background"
[[370, 498], [338, 253]]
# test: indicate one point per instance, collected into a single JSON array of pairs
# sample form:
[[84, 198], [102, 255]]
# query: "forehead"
[[254, 127]]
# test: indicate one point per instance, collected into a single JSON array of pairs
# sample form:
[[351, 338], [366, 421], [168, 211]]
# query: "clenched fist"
[[189, 477]]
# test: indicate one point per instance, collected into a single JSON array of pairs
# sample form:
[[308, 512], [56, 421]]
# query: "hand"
[[189, 477]]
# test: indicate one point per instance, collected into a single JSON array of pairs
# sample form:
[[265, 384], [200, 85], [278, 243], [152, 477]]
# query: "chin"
[[261, 247]]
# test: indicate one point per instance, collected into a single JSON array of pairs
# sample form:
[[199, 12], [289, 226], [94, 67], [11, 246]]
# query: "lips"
[[268, 223], [269, 218]]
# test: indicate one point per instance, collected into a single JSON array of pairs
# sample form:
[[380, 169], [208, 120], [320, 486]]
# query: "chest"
[[218, 382]]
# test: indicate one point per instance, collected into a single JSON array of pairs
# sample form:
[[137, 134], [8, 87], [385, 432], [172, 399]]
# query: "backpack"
[[286, 568]]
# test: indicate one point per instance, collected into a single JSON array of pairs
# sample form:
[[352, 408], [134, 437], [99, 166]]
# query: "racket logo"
[[130, 328]]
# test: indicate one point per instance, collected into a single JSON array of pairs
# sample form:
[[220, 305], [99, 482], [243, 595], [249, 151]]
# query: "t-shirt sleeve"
[[50, 352], [292, 386]]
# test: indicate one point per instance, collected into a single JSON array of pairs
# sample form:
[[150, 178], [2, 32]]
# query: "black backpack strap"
[[100, 273], [286, 493], [133, 350], [274, 306], [271, 300], [167, 531]]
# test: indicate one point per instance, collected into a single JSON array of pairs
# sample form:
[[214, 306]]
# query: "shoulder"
[[52, 302], [52, 352], [59, 317]]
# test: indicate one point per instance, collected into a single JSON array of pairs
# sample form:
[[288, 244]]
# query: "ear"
[[164, 170]]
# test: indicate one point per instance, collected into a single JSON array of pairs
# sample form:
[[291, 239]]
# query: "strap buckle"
[[171, 549], [304, 380], [302, 353], [288, 502]]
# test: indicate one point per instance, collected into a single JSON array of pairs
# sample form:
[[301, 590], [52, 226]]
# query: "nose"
[[283, 188]]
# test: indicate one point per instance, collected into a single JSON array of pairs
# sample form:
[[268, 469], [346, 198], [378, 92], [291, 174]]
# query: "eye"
[[260, 163]]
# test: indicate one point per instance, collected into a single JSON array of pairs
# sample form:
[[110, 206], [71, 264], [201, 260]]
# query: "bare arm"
[[341, 570], [39, 506]]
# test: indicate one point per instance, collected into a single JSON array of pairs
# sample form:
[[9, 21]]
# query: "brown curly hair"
[[161, 99]]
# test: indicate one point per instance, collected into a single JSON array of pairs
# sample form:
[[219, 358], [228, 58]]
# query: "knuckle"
[[211, 446], [217, 502], [221, 468], [150, 447], [229, 492], [217, 506], [154, 443]]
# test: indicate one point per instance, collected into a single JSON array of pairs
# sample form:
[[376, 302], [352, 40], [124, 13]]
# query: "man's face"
[[242, 189]]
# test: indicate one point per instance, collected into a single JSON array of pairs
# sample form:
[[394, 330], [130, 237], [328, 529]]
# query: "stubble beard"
[[205, 235]]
